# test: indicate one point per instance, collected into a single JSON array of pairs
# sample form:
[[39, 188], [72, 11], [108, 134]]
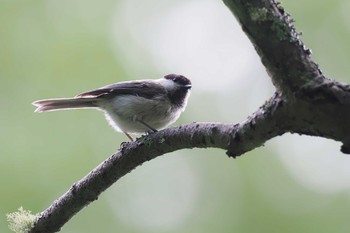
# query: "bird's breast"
[[127, 111]]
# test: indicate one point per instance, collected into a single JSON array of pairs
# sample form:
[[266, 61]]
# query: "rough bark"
[[305, 102]]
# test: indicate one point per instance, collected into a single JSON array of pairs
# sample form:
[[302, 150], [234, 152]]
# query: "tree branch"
[[317, 106], [305, 102], [275, 39], [236, 139]]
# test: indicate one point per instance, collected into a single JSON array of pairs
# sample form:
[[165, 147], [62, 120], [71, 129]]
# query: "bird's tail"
[[62, 104]]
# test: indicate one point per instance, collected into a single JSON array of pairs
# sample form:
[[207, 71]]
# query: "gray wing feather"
[[143, 89]]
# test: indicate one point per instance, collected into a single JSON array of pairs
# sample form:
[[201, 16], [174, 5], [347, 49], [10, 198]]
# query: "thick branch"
[[317, 106], [274, 37]]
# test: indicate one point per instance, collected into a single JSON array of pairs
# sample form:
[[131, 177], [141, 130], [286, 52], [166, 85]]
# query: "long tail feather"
[[62, 104]]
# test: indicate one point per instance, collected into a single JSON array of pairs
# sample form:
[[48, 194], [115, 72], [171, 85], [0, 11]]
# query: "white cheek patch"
[[168, 84]]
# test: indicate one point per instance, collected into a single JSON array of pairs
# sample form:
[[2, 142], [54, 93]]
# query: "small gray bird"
[[133, 106]]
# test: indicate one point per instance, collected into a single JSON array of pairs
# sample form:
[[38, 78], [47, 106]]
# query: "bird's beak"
[[187, 86]]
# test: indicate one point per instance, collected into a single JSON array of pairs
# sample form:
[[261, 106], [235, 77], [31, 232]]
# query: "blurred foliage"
[[60, 48]]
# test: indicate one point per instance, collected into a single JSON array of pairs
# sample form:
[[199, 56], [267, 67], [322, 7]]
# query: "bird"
[[131, 107]]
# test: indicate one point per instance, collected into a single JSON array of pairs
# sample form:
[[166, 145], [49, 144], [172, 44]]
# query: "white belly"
[[124, 113]]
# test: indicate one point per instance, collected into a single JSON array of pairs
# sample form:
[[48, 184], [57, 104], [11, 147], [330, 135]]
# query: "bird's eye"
[[175, 80]]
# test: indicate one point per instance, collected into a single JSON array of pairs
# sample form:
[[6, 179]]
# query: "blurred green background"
[[60, 48]]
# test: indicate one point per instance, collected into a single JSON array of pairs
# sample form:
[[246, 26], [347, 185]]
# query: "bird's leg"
[[128, 135], [148, 126]]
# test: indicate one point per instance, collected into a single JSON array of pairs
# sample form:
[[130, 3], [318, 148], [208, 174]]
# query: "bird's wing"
[[142, 89]]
